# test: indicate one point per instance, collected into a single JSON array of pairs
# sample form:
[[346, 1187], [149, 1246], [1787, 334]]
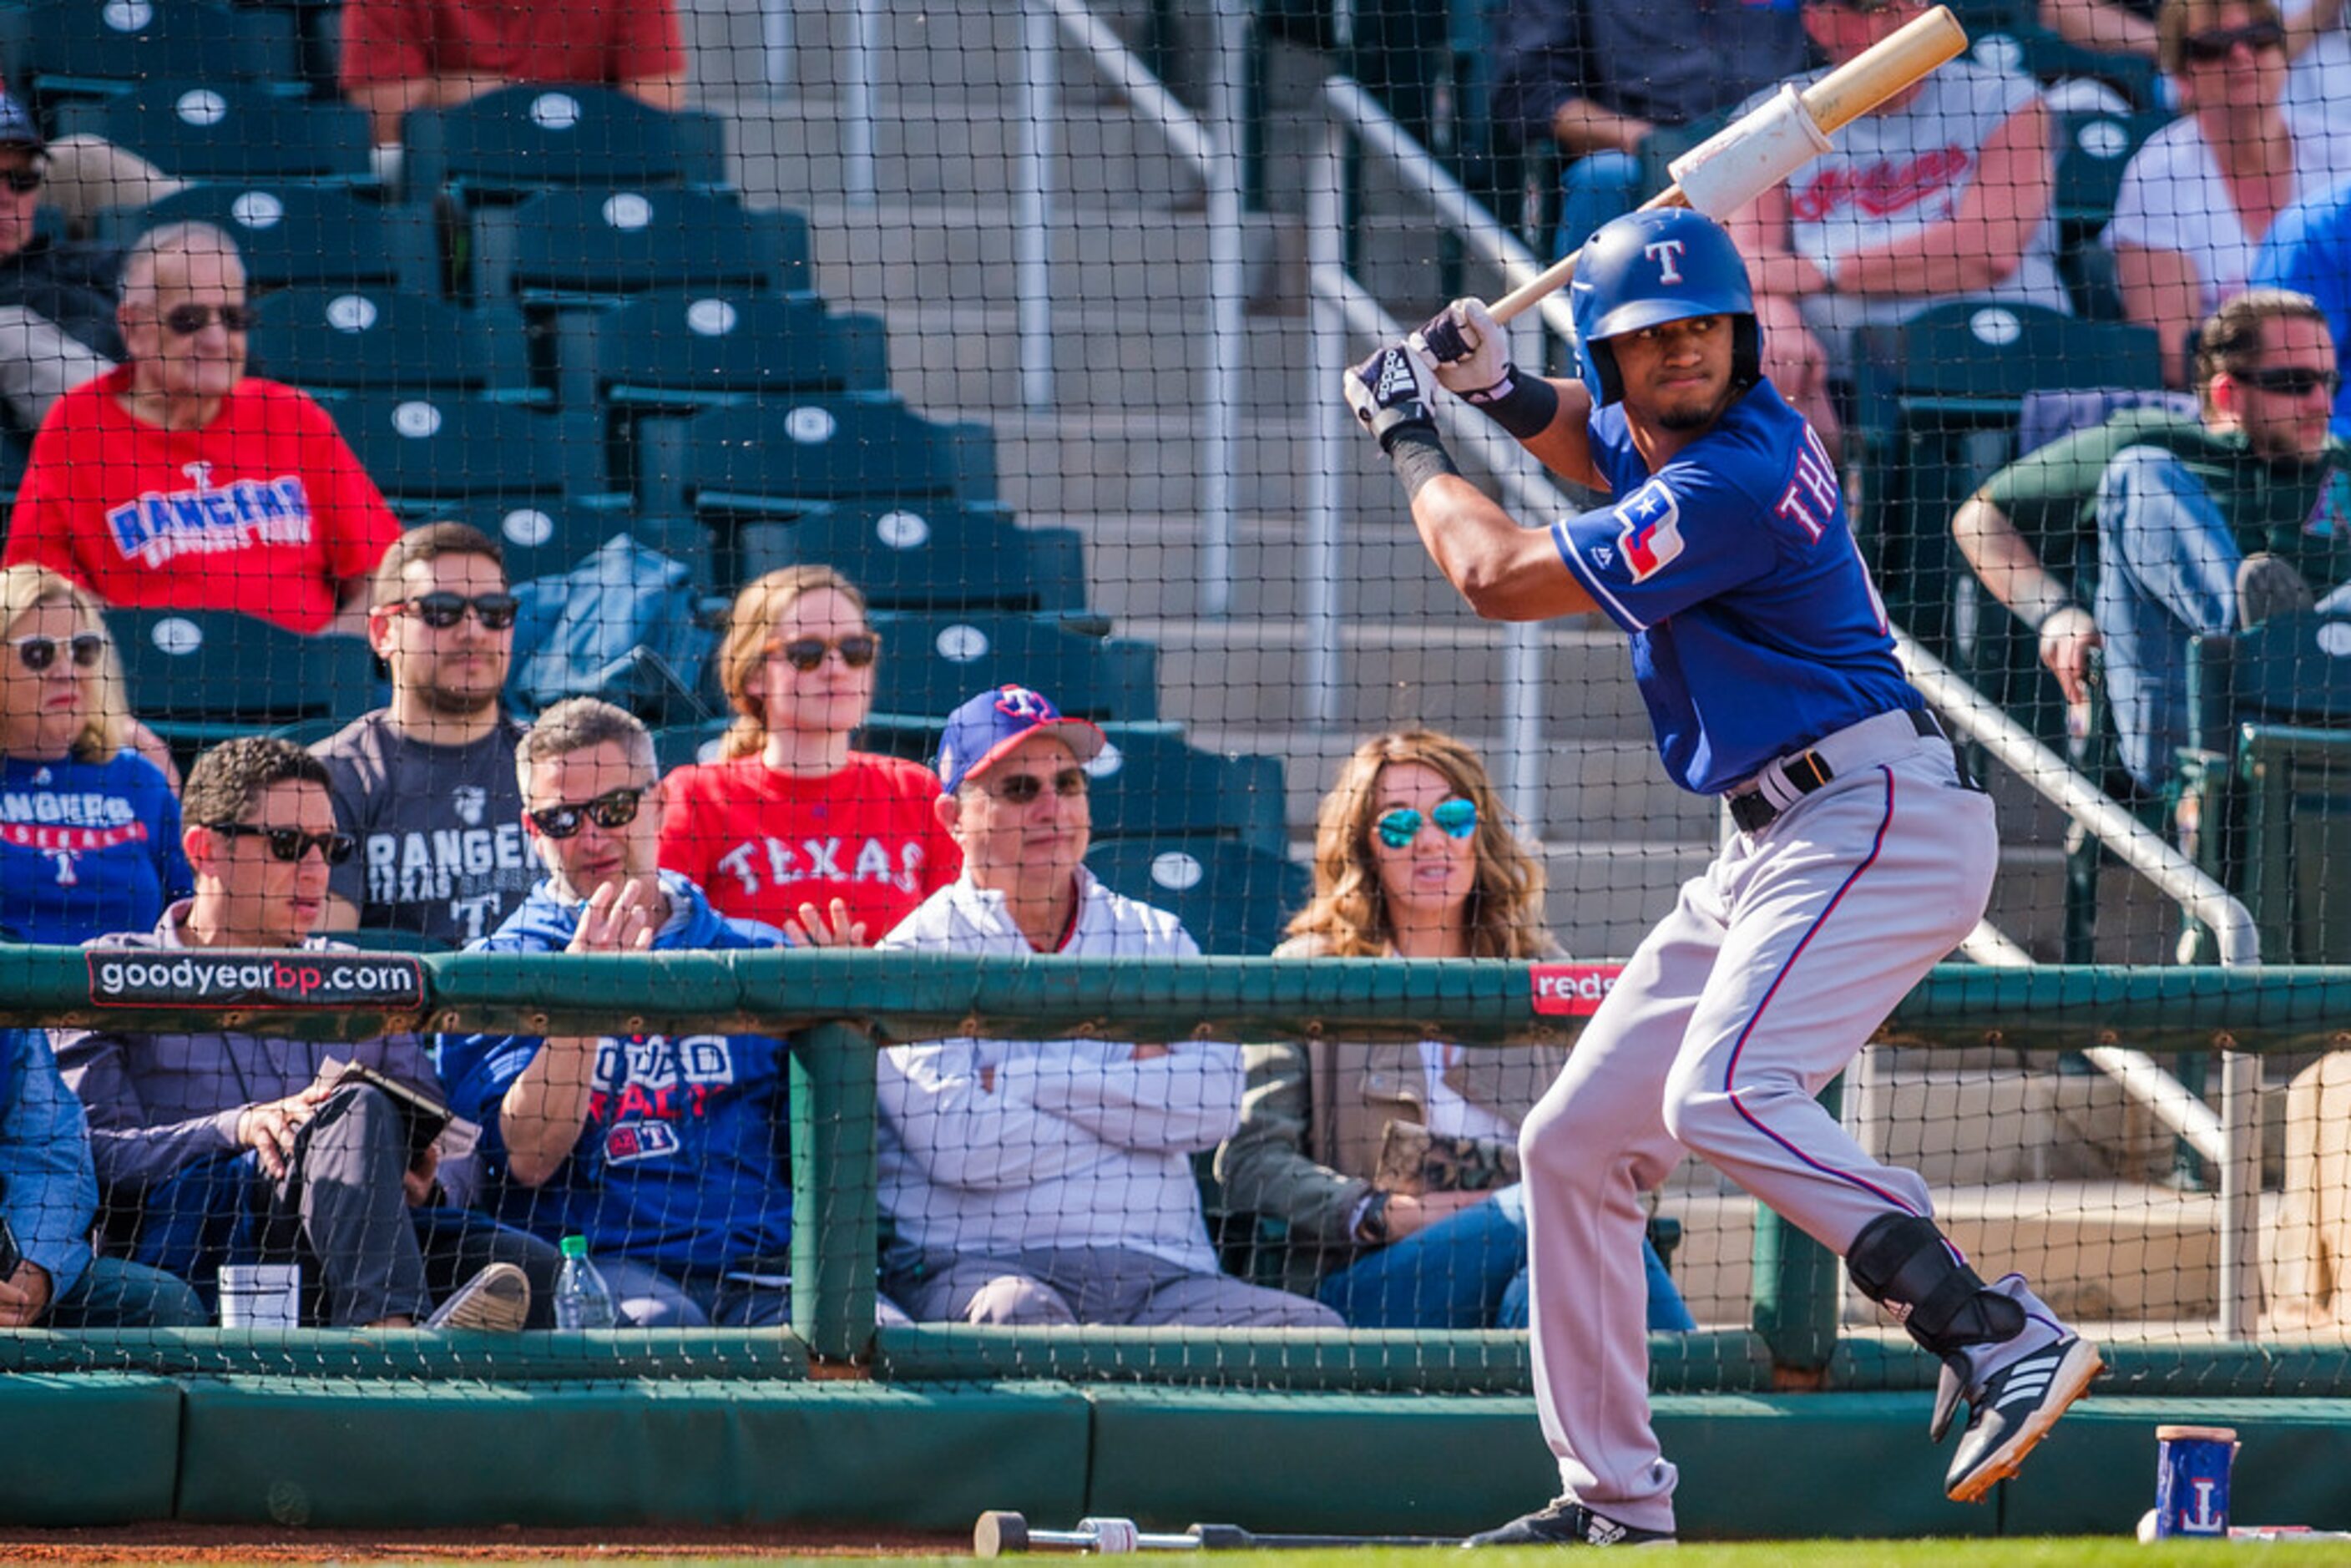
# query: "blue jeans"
[[1593, 189], [1468, 1270], [116, 1294], [650, 1298], [2167, 570]]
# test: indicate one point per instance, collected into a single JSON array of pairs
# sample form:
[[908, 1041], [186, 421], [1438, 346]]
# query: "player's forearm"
[[1505, 571]]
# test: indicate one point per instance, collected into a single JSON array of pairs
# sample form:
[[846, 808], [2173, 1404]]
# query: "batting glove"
[[1471, 355], [1389, 391]]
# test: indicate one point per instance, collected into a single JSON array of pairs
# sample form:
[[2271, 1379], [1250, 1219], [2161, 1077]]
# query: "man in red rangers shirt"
[[179, 482]]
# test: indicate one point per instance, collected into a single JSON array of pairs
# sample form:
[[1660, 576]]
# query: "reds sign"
[[1572, 991]]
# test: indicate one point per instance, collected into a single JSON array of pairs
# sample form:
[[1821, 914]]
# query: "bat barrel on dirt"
[[1837, 100], [1001, 1534]]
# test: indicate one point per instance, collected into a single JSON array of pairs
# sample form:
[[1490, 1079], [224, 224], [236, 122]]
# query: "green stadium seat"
[[599, 247], [932, 662], [777, 457], [677, 745], [2093, 150], [292, 236], [682, 350], [534, 136], [425, 451], [336, 342], [1234, 898], [197, 676], [224, 131], [546, 536], [1937, 399], [68, 49], [2025, 46], [2267, 778], [920, 555]]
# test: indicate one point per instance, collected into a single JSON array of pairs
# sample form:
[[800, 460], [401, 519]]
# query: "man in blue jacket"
[[48, 1193], [667, 1153]]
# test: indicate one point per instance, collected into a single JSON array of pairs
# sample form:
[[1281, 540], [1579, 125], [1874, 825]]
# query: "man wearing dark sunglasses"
[[231, 1146], [56, 297], [176, 481], [2209, 523], [1035, 1182], [427, 783], [666, 1151]]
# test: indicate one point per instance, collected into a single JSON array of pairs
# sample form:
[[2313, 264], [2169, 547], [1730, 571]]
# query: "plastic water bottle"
[[582, 1300]]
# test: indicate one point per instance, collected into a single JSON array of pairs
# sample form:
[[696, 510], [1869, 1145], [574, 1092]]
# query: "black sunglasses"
[[290, 844], [1020, 788], [612, 808], [2290, 380], [86, 648], [496, 611], [805, 653], [187, 321], [2216, 44], [25, 181]]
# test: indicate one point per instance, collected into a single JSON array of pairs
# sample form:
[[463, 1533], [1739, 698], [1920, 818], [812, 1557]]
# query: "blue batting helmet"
[[1647, 269]]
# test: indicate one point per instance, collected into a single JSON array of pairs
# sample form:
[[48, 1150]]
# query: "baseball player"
[[1863, 854]]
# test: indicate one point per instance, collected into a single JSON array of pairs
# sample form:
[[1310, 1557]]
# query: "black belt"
[[1808, 771]]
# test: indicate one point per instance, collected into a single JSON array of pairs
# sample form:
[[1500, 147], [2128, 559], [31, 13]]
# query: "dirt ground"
[[168, 1543]]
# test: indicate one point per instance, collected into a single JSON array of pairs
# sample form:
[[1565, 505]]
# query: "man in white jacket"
[[1050, 1181]]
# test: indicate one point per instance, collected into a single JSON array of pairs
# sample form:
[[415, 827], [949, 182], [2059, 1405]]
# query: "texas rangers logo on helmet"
[[1667, 254], [1652, 535]]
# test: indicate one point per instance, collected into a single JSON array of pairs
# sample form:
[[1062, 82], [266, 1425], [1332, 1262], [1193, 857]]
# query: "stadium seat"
[[677, 745], [919, 555], [547, 535], [1234, 898], [2267, 778], [425, 451], [599, 247], [223, 131], [68, 49], [776, 458], [932, 662], [2093, 150], [681, 349], [2036, 51], [292, 236], [533, 136], [197, 676], [1936, 403], [336, 342]]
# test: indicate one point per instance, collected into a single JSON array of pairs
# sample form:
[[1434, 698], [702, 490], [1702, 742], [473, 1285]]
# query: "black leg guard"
[[1904, 1264]]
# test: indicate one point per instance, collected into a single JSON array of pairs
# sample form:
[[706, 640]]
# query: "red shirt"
[[762, 842], [264, 510], [607, 41]]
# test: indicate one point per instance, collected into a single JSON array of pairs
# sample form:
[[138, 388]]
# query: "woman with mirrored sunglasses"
[[792, 824], [89, 829], [2198, 197], [1393, 1168]]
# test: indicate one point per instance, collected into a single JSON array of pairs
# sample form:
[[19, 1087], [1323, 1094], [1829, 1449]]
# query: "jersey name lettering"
[[1811, 499], [156, 528]]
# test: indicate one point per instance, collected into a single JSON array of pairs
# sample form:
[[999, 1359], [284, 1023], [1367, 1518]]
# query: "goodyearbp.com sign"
[[294, 978]]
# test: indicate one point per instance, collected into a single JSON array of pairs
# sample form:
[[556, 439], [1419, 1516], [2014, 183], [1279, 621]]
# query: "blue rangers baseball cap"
[[994, 722], [17, 127]]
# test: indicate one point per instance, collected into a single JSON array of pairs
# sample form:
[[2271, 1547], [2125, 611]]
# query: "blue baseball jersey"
[[1756, 630]]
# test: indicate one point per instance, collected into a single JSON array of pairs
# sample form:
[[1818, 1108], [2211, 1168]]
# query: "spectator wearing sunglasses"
[[90, 829], [178, 482], [1393, 1168], [791, 826], [1050, 1181], [667, 1153], [426, 785], [228, 1146], [2196, 199]]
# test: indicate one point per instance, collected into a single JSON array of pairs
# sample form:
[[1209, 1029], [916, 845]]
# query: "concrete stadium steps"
[[1146, 568], [2097, 1250]]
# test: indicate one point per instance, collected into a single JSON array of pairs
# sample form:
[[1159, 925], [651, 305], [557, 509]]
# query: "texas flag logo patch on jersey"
[[1652, 532]]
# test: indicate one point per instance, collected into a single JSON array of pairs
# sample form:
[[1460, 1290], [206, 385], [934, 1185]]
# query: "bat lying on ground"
[[999, 1533]]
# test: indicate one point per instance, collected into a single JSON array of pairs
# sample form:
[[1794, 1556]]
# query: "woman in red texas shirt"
[[791, 826]]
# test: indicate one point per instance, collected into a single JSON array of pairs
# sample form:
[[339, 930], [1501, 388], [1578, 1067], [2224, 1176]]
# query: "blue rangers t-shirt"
[[86, 848], [1756, 630]]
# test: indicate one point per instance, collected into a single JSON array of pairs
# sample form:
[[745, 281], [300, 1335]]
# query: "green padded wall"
[[91, 1449]]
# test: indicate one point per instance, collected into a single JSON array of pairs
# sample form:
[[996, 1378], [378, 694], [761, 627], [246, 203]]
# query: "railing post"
[[1221, 394], [2240, 1195], [1326, 423], [857, 106], [836, 1228], [776, 41], [1032, 215]]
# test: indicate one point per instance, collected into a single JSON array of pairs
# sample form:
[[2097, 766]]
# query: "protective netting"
[[727, 396]]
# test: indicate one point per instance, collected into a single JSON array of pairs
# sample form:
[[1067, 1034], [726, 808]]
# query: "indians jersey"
[[1756, 630]]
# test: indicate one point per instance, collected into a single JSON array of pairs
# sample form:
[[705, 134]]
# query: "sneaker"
[[2010, 1411], [1567, 1522], [2269, 585], [496, 1300]]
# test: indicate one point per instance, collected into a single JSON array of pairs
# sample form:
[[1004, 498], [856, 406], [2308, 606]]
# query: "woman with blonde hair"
[[89, 829], [791, 826], [1394, 1167]]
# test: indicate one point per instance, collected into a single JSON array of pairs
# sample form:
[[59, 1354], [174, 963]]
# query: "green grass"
[[2004, 1552]]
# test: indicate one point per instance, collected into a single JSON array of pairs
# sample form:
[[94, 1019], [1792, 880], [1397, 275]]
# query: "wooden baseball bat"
[[1835, 101]]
